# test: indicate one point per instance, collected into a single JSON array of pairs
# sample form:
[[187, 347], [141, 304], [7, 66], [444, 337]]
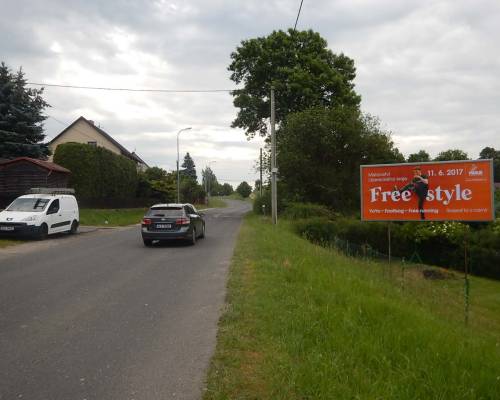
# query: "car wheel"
[[202, 231], [74, 227], [192, 241], [147, 242], [43, 232]]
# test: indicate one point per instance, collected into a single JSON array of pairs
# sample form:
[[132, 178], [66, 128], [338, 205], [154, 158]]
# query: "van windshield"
[[30, 204], [165, 212]]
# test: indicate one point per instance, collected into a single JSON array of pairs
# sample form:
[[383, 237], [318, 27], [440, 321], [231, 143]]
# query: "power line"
[[133, 90], [298, 15]]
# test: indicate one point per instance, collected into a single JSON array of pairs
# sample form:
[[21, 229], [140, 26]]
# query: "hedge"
[[97, 174]]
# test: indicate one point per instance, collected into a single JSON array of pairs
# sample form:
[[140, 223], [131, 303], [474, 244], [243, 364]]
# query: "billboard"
[[430, 191]]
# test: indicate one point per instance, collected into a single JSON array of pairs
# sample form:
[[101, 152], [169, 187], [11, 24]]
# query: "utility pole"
[[261, 172], [274, 170], [178, 173]]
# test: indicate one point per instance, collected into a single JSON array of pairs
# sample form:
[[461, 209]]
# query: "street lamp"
[[178, 174]]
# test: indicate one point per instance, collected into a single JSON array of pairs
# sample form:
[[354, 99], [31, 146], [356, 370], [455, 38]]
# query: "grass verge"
[[303, 322], [214, 202], [8, 242], [111, 217]]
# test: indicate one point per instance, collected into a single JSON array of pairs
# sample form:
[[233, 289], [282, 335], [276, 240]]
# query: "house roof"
[[41, 163], [124, 151]]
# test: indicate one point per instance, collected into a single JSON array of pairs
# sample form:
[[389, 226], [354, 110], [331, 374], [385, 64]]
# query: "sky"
[[427, 69]]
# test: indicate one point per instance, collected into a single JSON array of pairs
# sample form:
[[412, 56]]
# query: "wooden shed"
[[19, 175]]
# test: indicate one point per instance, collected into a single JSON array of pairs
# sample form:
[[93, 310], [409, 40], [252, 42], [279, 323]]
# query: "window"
[[54, 207], [92, 143], [28, 204]]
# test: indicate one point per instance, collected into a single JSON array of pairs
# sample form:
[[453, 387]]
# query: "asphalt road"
[[100, 316]]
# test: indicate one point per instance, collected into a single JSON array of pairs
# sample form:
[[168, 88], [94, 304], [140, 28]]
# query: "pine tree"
[[189, 170], [21, 118]]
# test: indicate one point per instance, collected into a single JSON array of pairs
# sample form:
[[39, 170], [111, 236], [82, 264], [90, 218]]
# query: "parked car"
[[172, 222], [39, 215]]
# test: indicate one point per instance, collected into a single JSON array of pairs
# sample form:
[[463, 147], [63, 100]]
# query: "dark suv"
[[172, 221]]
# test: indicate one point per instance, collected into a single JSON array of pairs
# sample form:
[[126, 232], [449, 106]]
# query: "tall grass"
[[303, 322]]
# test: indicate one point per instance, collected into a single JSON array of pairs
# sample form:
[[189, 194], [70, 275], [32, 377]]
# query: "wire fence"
[[443, 290]]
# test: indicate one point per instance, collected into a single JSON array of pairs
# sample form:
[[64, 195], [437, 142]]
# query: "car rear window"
[[165, 212]]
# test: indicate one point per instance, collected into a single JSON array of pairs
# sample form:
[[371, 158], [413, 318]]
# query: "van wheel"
[[74, 227], [43, 232]]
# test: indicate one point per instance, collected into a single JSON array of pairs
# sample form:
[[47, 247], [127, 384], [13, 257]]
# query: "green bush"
[[437, 243], [97, 173], [306, 210]]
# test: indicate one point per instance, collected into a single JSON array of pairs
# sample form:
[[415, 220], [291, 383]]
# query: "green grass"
[[303, 322], [114, 217], [8, 242], [214, 202]]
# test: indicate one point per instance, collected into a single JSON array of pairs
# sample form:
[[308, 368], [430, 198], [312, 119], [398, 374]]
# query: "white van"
[[40, 214]]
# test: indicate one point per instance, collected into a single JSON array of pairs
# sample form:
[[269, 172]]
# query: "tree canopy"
[[321, 150], [490, 152], [21, 117], [303, 71], [452, 154], [244, 189], [189, 170], [421, 156]]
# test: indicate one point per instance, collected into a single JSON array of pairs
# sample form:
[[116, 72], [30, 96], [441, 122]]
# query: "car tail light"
[[146, 221], [182, 221]]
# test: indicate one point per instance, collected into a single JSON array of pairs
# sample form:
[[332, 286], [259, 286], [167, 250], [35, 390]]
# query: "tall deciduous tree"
[[189, 170], [21, 118], [490, 152], [452, 154], [244, 189], [321, 150], [303, 71], [421, 156]]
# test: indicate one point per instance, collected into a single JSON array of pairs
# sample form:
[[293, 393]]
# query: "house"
[[85, 131], [19, 175]]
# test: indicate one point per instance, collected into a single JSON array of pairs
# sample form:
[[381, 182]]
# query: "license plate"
[[163, 226], [6, 228]]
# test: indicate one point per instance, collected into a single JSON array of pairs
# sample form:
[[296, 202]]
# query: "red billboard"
[[431, 191]]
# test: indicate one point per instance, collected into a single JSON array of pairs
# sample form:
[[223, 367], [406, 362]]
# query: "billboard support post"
[[466, 282], [389, 241]]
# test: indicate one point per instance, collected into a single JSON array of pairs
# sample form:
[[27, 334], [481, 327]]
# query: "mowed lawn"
[[303, 322], [128, 216], [111, 217]]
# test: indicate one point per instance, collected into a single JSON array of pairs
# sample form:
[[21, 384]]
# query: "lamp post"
[[178, 174]]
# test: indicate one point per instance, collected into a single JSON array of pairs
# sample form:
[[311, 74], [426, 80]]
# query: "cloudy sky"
[[428, 69]]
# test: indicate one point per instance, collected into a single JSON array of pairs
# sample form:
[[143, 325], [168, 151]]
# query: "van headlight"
[[31, 218]]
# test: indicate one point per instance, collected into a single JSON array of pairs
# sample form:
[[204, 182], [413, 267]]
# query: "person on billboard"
[[418, 185]]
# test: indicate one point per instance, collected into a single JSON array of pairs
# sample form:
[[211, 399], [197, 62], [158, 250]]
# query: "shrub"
[[306, 210]]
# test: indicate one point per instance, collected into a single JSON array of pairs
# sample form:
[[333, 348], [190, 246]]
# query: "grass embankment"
[[304, 322], [111, 217]]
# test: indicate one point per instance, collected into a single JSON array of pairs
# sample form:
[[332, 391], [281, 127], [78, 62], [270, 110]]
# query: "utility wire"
[[298, 15], [133, 90]]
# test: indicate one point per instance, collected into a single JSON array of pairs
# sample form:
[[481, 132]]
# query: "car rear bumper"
[[18, 230], [181, 234]]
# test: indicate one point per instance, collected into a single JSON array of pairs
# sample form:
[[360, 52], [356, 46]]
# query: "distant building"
[[19, 175], [85, 131]]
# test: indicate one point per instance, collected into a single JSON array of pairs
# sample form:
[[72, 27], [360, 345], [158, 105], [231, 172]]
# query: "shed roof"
[[41, 163]]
